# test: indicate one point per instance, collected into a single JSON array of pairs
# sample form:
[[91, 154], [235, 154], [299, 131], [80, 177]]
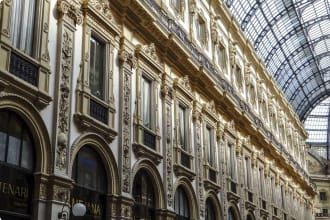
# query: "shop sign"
[[15, 190]]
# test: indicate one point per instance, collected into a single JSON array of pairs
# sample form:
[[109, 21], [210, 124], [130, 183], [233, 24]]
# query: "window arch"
[[16, 145], [181, 205], [250, 217], [144, 196], [210, 210], [90, 185], [88, 170], [17, 164]]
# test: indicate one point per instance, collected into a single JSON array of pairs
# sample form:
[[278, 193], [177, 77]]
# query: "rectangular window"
[[177, 4], [182, 127], [201, 30], [325, 212], [248, 172], [209, 146], [146, 102], [22, 24], [222, 57], [272, 180], [283, 196], [323, 196], [261, 182], [96, 68], [239, 78], [231, 161]]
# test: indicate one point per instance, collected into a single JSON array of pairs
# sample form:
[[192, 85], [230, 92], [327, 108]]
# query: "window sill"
[[232, 197], [264, 213], [208, 184], [86, 122], [142, 151], [249, 205], [181, 170], [10, 82], [211, 182]]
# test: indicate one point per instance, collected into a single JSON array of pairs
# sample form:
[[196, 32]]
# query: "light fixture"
[[78, 209]]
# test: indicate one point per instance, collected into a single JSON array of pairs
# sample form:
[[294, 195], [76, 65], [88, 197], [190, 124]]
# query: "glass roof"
[[293, 39], [317, 123]]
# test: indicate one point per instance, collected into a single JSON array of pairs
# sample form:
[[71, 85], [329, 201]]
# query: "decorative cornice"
[[71, 9]]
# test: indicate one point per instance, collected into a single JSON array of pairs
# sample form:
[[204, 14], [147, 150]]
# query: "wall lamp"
[[78, 209]]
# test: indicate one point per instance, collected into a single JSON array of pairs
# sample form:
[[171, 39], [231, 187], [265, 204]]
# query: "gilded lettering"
[[5, 188], [14, 190], [92, 208]]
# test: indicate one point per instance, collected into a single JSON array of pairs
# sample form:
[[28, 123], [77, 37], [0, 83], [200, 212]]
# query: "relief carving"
[[102, 6], [128, 58], [70, 9], [60, 194], [169, 162], [200, 168], [64, 105], [126, 211], [233, 51], [126, 131], [184, 83], [150, 51]]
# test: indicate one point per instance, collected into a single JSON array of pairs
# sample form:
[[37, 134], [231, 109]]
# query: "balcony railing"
[[250, 196], [149, 139], [185, 159], [212, 175], [322, 215], [23, 69], [98, 111], [233, 187]]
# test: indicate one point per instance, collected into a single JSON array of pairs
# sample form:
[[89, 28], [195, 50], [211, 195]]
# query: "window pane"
[[22, 25], [3, 134], [146, 102], [182, 126], [14, 142], [27, 153], [88, 170], [96, 78], [209, 145]]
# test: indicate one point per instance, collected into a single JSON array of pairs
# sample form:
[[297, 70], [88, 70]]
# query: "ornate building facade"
[[142, 109]]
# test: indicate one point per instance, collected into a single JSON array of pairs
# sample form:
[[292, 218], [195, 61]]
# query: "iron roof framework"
[[293, 39], [317, 124]]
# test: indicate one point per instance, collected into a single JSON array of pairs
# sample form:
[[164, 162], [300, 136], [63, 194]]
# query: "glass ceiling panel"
[[290, 35], [317, 122], [325, 62], [313, 11]]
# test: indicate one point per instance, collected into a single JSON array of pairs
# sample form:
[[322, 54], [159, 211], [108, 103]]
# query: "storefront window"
[[210, 210], [90, 184], [181, 205], [231, 215], [143, 194], [16, 167]]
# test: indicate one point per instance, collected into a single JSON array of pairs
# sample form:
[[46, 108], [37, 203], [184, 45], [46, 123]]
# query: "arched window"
[[231, 215], [90, 185], [144, 196], [181, 205], [16, 167], [15, 142], [249, 217], [210, 210]]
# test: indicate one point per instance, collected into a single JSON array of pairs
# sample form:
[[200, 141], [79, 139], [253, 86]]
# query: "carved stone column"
[[127, 62], [199, 157], [240, 175], [167, 95], [223, 166], [255, 183], [69, 17]]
